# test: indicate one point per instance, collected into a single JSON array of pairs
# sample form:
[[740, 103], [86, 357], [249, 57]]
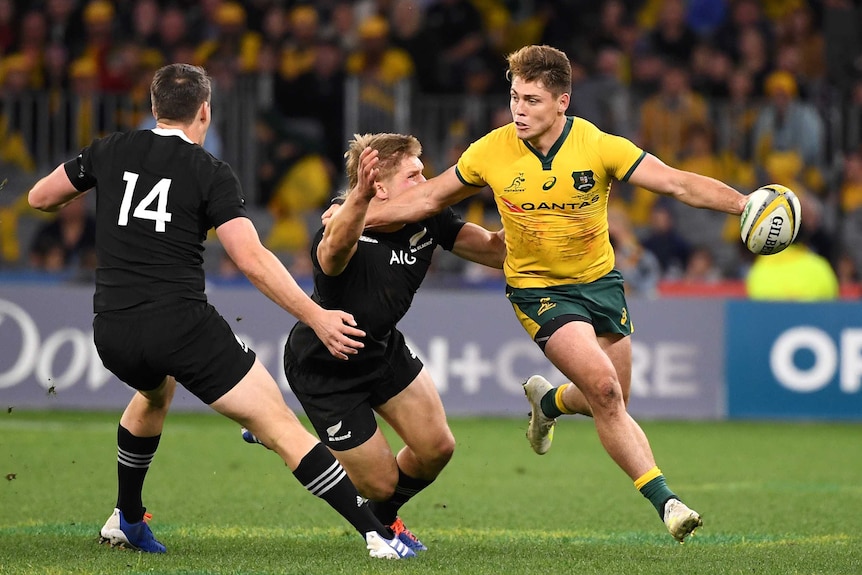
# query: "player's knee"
[[437, 453], [446, 447], [606, 395], [377, 488]]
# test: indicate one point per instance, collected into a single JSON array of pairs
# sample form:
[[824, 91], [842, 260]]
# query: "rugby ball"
[[770, 221]]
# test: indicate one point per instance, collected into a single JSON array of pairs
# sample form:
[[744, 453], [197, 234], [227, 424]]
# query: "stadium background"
[[699, 83]]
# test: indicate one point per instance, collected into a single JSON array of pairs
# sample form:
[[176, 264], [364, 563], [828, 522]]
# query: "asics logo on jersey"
[[550, 183], [545, 304], [333, 430], [624, 317], [517, 184]]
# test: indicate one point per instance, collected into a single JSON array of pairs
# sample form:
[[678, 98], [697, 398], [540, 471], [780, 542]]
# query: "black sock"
[[323, 476], [134, 455], [407, 487]]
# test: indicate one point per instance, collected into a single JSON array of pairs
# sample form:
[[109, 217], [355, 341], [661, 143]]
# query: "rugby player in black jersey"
[[158, 193], [374, 275]]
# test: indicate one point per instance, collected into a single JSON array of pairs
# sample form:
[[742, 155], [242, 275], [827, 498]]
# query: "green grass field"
[[778, 498]]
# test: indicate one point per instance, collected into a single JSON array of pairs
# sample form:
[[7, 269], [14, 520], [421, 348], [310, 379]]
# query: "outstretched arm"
[[690, 188], [335, 328], [479, 245], [53, 191], [421, 201], [345, 225]]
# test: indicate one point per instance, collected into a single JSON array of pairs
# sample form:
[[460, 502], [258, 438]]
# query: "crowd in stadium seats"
[[746, 91]]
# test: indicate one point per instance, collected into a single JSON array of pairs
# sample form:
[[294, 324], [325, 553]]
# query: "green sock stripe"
[[549, 404], [658, 493]]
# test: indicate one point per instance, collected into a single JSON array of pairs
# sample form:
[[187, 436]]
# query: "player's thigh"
[[575, 351], [417, 416]]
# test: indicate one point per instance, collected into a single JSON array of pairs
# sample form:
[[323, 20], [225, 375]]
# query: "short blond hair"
[[391, 149], [545, 64]]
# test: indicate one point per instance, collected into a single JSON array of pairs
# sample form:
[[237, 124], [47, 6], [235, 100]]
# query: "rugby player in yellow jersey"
[[551, 176]]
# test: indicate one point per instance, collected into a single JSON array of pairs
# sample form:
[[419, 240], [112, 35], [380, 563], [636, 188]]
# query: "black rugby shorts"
[[339, 398], [187, 339]]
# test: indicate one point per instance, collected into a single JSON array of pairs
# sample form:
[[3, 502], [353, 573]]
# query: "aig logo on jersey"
[[402, 258]]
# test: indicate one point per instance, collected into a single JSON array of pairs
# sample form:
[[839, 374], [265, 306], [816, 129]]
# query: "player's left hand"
[[327, 215], [336, 329]]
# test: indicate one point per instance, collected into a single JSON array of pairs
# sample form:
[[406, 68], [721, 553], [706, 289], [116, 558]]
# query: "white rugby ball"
[[771, 219]]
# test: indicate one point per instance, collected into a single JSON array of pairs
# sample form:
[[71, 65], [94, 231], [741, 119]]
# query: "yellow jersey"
[[554, 207]]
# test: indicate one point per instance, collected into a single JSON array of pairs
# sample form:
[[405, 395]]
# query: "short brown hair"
[[544, 64], [178, 90], [391, 149]]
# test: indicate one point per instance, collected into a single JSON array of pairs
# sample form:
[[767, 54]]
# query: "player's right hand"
[[367, 173], [337, 330]]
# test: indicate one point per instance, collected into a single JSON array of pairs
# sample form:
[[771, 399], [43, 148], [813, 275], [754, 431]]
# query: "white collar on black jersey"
[[172, 132]]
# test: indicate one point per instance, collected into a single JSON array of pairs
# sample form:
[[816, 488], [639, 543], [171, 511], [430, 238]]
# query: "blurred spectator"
[[293, 179], [17, 113], [704, 17], [788, 137], [663, 240], [274, 28], [802, 31], [614, 23], [298, 55], [98, 36], [317, 94], [734, 119], [233, 45], [710, 71], [32, 44], [850, 192], [842, 33], [173, 34], [64, 24], [85, 112], [601, 97], [68, 242], [666, 116], [8, 28], [745, 15], [795, 274], [640, 268], [847, 271], [647, 70], [410, 34], [342, 26], [379, 67], [672, 38], [818, 230], [144, 24], [701, 267], [755, 56], [455, 26]]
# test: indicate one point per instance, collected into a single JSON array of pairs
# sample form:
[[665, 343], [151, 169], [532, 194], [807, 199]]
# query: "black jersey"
[[378, 284], [157, 195]]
